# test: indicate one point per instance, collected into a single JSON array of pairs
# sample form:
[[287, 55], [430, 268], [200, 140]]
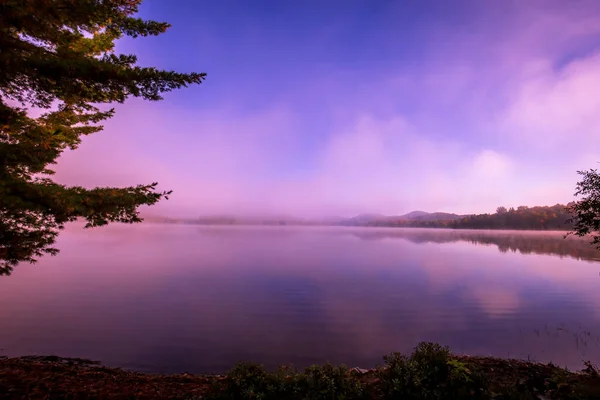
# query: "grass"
[[430, 372]]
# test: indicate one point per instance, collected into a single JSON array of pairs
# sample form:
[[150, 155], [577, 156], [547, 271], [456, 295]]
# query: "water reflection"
[[524, 242], [179, 298]]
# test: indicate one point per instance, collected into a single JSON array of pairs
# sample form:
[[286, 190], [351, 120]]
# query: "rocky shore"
[[431, 372]]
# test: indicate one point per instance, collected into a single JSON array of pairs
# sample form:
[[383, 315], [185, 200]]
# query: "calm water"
[[170, 298]]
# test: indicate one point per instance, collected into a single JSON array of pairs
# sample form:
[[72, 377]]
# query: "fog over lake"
[[177, 298]]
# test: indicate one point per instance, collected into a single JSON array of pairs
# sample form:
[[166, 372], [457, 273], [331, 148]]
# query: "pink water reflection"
[[186, 298]]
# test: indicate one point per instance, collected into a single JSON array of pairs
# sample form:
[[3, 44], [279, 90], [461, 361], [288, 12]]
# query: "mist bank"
[[556, 217]]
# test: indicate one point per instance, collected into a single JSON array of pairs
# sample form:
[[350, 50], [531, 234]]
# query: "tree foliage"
[[555, 217], [586, 211], [58, 56]]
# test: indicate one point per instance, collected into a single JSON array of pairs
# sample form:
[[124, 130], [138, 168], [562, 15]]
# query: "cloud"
[[389, 165], [558, 107], [373, 164], [492, 115]]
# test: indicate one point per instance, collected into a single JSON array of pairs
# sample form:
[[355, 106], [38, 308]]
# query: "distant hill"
[[425, 216], [364, 219], [527, 218], [247, 220], [359, 220], [369, 219], [157, 219], [413, 215], [556, 217]]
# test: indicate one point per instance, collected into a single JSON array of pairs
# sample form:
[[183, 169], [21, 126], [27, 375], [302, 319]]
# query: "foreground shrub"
[[252, 381], [329, 382], [247, 381], [430, 373]]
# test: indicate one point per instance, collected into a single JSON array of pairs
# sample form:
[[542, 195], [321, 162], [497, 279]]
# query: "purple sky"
[[340, 107]]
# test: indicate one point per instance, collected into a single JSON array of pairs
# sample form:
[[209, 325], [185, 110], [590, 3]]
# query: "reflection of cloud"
[[497, 302], [279, 294]]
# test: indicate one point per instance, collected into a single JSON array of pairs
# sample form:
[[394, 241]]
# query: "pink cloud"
[[496, 122]]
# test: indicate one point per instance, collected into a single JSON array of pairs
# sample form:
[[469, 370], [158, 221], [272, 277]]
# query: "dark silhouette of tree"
[[555, 217], [586, 212], [58, 56]]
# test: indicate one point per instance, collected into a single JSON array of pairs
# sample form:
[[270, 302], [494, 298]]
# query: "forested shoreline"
[[546, 218], [555, 217]]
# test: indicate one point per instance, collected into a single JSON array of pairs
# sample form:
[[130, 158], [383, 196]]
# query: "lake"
[[184, 298]]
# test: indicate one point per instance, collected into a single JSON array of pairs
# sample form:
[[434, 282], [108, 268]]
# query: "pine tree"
[[58, 56]]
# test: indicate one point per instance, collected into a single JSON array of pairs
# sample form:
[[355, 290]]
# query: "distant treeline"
[[250, 221], [521, 218], [525, 218]]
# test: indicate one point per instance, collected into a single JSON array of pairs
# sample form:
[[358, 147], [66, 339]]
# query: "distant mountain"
[[413, 215], [359, 220], [425, 216], [157, 219], [247, 220], [330, 220], [526, 218], [364, 219]]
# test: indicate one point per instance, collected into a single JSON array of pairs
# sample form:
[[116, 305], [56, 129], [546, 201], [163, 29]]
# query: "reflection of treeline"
[[525, 218], [524, 243]]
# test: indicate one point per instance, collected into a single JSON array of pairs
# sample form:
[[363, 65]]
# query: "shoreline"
[[315, 225], [45, 377]]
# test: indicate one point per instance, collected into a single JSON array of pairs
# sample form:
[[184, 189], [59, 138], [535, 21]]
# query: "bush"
[[247, 381], [429, 373], [329, 382], [252, 381]]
